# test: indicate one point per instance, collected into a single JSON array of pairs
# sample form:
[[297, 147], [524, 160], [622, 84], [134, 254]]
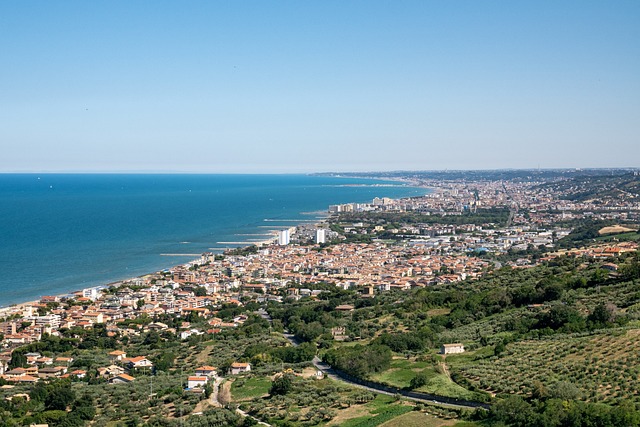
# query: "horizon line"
[[181, 172]]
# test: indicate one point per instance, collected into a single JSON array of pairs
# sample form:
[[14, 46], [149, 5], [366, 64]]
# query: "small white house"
[[239, 367], [138, 362], [452, 348], [117, 355], [186, 334], [197, 382], [206, 371]]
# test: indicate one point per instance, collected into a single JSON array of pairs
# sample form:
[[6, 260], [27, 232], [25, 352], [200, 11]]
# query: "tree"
[[281, 385], [564, 390], [360, 360], [513, 411], [602, 316], [249, 421], [625, 414], [562, 316], [152, 338], [631, 271], [200, 291], [18, 360], [60, 397], [208, 389], [539, 390], [310, 331], [420, 380]]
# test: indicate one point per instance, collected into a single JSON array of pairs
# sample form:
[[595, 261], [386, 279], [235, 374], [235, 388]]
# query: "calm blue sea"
[[64, 232]]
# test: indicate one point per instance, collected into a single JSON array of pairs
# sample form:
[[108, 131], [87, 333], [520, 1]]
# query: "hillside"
[[528, 332], [600, 190]]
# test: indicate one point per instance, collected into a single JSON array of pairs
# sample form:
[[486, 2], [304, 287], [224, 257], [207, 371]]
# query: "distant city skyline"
[[290, 87]]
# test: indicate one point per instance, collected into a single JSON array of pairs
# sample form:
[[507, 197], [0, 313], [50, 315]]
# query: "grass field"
[[402, 371], [359, 413], [244, 389], [630, 236], [378, 416], [442, 385]]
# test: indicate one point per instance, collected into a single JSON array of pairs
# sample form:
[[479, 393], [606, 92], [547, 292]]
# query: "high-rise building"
[[321, 236], [283, 237]]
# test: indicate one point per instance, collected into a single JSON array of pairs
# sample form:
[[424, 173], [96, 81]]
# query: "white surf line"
[[180, 254], [239, 243], [288, 220]]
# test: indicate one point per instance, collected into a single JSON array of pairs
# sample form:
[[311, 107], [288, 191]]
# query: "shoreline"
[[8, 310]]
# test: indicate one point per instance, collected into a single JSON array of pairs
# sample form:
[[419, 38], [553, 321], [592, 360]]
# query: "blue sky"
[[300, 86]]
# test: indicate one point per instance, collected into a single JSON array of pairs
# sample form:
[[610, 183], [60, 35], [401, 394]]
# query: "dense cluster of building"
[[420, 255], [537, 204]]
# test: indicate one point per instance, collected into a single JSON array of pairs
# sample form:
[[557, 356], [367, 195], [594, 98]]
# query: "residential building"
[[239, 367], [452, 348]]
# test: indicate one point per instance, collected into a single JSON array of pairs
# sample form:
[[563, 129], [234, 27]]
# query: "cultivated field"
[[604, 367]]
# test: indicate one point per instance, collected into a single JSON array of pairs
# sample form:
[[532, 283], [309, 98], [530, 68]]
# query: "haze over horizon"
[[287, 87]]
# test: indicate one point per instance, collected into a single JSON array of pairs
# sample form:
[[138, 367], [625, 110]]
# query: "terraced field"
[[604, 367]]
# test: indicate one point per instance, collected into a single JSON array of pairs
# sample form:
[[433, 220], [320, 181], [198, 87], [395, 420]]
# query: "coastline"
[[11, 308]]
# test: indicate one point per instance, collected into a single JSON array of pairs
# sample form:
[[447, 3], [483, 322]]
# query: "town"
[[459, 232]]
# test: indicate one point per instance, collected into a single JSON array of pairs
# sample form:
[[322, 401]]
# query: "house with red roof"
[[122, 379], [197, 382], [137, 362], [206, 371], [240, 367], [117, 355]]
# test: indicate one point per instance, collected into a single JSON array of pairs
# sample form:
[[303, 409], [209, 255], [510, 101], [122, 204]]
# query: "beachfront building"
[[91, 293], [51, 320], [284, 237]]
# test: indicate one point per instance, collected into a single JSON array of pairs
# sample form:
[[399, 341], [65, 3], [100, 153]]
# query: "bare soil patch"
[[354, 411], [614, 229], [416, 419]]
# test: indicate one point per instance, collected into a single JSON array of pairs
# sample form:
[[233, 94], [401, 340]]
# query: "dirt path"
[[244, 414], [445, 369], [203, 357], [224, 394], [212, 400], [214, 394]]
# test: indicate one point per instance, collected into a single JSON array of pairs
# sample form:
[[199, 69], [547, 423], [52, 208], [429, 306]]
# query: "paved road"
[[393, 391], [381, 388]]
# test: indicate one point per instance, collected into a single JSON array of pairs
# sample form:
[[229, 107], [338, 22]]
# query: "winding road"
[[381, 388]]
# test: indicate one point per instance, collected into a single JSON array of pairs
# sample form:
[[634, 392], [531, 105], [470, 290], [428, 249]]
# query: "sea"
[[65, 232]]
